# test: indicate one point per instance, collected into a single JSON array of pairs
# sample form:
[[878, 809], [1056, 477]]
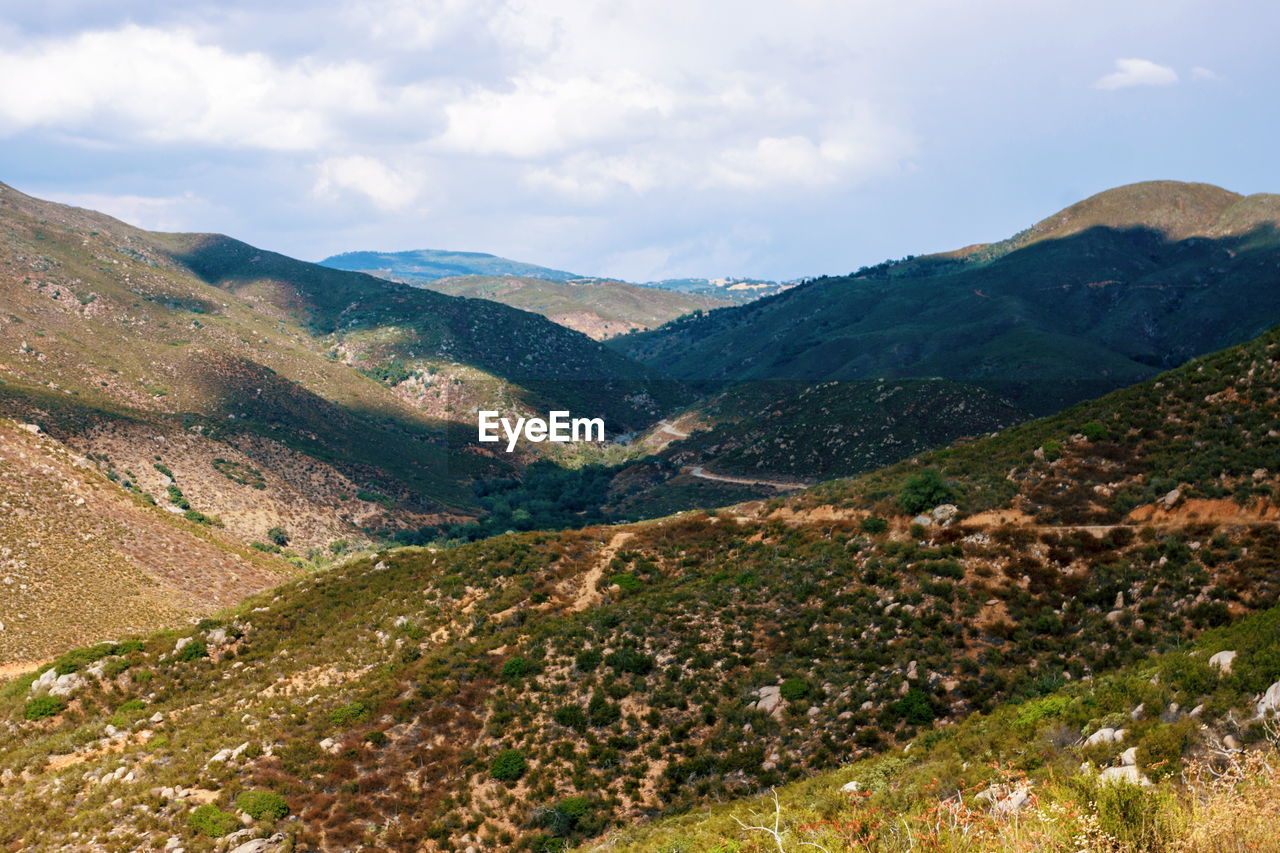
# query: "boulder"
[[1006, 801], [1105, 735], [850, 787], [1129, 758], [1171, 499], [1125, 773], [65, 685], [1222, 662], [944, 514], [922, 520], [769, 700], [1269, 702]]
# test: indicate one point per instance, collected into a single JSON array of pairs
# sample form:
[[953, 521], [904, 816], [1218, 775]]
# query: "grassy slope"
[[622, 662], [597, 308], [1036, 744], [81, 558], [1103, 294]]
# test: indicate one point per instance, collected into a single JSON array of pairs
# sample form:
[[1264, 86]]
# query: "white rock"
[[1129, 758], [1104, 735], [1222, 662], [1270, 701], [65, 685], [1125, 773], [850, 787]]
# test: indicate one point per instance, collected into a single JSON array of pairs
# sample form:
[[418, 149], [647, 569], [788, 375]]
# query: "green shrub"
[[627, 582], [874, 524], [262, 805], [508, 766], [212, 821], [570, 716], [794, 688], [914, 708], [1132, 816], [193, 650], [924, 491], [44, 706], [376, 737], [352, 712], [1160, 753], [1052, 450], [1094, 431], [517, 668], [278, 536], [587, 660], [628, 659]]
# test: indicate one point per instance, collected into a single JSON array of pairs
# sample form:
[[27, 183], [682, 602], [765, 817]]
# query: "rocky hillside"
[[598, 308], [269, 392], [531, 690], [83, 557], [1105, 293]]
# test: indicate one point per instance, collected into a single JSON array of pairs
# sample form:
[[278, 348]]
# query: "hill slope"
[[598, 308], [535, 689], [82, 558], [273, 392], [1100, 295]]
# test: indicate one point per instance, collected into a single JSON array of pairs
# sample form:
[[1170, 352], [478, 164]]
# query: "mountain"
[[84, 554], [433, 264], [266, 392], [534, 690], [423, 266], [598, 308], [1105, 293]]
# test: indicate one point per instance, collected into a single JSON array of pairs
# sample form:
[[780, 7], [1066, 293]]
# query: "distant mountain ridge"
[[1102, 294], [422, 266]]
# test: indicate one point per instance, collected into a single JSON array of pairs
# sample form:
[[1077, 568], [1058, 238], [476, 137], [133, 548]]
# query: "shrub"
[[794, 688], [44, 706], [924, 491], [627, 582], [262, 805], [376, 737], [570, 716], [628, 659], [193, 650], [1094, 431], [508, 766], [1132, 816], [587, 660], [351, 712], [212, 821], [278, 536], [516, 668], [914, 708], [874, 524], [1160, 752]]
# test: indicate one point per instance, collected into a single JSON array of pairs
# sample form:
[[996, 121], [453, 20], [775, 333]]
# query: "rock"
[[1196, 712], [1126, 773], [850, 787], [922, 520], [769, 701], [913, 670], [1230, 742], [157, 717], [1138, 712], [1171, 714], [65, 685], [181, 644], [217, 637], [1269, 703], [944, 514], [1005, 801], [1105, 735], [45, 681], [1129, 758], [1222, 662], [1114, 616], [1171, 499]]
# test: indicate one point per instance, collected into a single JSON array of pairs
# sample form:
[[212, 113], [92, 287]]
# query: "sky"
[[643, 140]]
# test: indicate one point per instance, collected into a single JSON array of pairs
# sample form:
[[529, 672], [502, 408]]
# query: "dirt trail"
[[670, 428], [13, 670], [699, 471], [590, 594]]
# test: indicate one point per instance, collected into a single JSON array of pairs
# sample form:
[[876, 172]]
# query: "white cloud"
[[158, 86], [540, 115], [386, 188], [152, 213], [1201, 73], [1137, 72]]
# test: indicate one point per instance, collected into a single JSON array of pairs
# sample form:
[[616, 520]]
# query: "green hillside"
[[432, 264], [533, 690], [598, 308], [1108, 292]]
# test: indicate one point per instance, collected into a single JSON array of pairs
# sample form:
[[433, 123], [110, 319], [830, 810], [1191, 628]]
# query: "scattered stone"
[[1222, 662], [1125, 773]]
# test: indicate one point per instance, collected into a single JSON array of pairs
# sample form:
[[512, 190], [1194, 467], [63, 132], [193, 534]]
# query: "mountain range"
[[874, 542]]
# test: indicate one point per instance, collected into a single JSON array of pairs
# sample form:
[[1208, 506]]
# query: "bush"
[[193, 650], [794, 688], [587, 660], [1132, 816], [924, 491], [212, 821], [874, 524], [352, 712], [376, 737], [262, 805], [278, 536], [516, 668], [627, 659], [44, 706], [1094, 431], [508, 766], [914, 708], [1160, 753], [570, 716]]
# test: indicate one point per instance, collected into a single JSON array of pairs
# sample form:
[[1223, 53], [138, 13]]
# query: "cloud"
[[540, 115], [137, 84], [1137, 72], [1201, 73], [386, 188], [152, 213]]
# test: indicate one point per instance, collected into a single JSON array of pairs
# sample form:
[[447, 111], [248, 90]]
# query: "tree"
[[278, 536], [924, 491]]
